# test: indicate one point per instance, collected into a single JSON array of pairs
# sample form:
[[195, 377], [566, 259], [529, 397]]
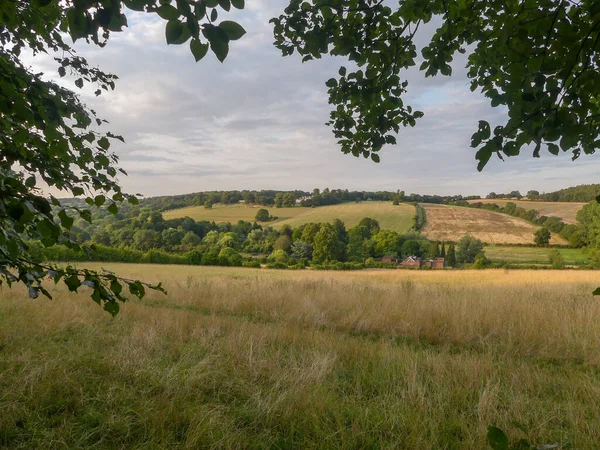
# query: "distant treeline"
[[581, 193], [291, 198]]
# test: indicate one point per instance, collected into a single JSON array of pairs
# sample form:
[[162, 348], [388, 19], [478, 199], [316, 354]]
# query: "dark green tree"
[[542, 237], [327, 245], [411, 248], [451, 256], [468, 248], [443, 250], [262, 215], [370, 224]]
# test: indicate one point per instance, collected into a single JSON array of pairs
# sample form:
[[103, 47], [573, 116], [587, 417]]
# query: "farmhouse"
[[418, 262]]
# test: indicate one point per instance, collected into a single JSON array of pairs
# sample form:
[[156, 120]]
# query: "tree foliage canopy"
[[538, 59], [48, 138]]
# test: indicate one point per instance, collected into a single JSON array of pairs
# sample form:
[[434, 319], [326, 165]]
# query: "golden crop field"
[[242, 358], [450, 223], [390, 217], [567, 211]]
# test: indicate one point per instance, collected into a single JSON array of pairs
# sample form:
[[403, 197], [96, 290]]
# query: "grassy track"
[[242, 358], [533, 255], [450, 223], [567, 211], [390, 217]]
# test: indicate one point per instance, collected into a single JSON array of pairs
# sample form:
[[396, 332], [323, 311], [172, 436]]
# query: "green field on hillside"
[[397, 218], [534, 255]]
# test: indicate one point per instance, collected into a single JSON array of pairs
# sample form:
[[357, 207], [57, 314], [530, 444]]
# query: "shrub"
[[277, 265], [262, 215], [251, 263], [556, 259]]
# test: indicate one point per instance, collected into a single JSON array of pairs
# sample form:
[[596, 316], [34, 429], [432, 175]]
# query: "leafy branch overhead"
[[536, 59], [50, 139]]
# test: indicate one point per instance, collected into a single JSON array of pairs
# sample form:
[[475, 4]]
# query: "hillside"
[[390, 217], [450, 223], [566, 211]]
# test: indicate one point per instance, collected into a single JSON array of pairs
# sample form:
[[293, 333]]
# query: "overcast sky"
[[258, 122]]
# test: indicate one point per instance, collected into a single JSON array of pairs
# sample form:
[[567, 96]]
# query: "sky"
[[257, 121]]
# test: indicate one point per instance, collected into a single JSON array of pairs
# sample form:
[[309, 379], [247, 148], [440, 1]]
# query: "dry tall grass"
[[450, 223], [268, 359]]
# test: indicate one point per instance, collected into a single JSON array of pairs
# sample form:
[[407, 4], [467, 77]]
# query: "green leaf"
[[239, 4], [99, 200], [213, 15], [211, 3], [104, 143], [597, 290], [233, 30], [78, 23], [331, 83], [375, 157], [342, 71], [200, 11], [553, 148], [65, 220], [112, 307], [199, 49], [173, 31], [225, 4], [113, 209], [497, 439], [168, 12], [219, 42]]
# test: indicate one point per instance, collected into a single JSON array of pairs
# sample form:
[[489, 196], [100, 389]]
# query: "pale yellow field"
[[567, 211], [242, 358], [450, 223], [390, 217]]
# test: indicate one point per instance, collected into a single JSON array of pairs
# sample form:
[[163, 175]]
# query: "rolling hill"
[[397, 218], [567, 211], [450, 223]]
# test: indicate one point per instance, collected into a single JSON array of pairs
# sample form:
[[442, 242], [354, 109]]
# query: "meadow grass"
[[534, 255], [243, 358], [390, 217], [567, 211], [450, 223]]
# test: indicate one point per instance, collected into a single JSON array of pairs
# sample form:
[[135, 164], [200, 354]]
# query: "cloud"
[[257, 121]]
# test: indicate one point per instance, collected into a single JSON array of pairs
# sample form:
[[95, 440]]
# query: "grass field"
[[567, 211], [534, 255], [242, 358], [390, 217], [450, 223]]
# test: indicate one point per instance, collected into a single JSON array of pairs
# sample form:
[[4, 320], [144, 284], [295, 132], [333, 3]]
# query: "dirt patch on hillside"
[[446, 223]]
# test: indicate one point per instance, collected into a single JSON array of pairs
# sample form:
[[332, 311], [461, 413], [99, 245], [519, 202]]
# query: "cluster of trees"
[[209, 198], [146, 231], [511, 194], [581, 193]]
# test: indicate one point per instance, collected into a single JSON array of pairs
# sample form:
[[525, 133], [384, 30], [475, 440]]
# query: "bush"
[[339, 266], [556, 259], [262, 215], [253, 263], [277, 265], [481, 262]]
